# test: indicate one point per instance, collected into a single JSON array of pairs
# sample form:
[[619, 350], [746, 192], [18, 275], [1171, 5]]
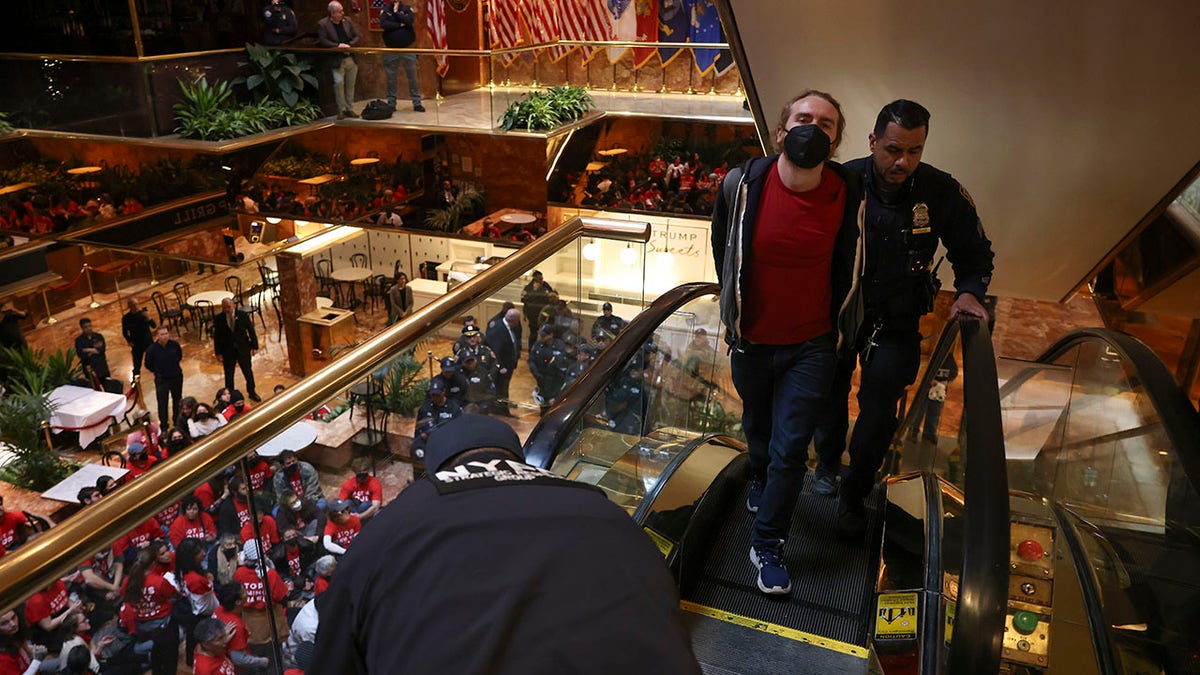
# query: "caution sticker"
[[665, 546], [896, 616], [951, 608]]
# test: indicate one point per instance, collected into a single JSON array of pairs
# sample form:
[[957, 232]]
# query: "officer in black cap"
[[548, 362], [437, 410], [607, 324], [452, 377], [468, 325], [491, 565]]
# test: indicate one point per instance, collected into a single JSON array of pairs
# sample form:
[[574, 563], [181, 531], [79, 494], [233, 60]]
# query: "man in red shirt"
[[139, 461], [342, 527], [362, 490], [212, 647], [231, 597], [136, 539], [267, 528], [12, 525], [784, 236], [260, 472], [193, 522]]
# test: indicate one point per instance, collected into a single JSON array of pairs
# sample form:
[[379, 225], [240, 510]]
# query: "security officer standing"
[[548, 362], [434, 412], [496, 554], [910, 208], [279, 24], [452, 378], [607, 324], [481, 389]]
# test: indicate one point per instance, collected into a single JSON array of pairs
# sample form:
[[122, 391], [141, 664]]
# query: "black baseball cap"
[[467, 433]]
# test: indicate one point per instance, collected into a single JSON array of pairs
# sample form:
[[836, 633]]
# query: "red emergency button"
[[1030, 550]]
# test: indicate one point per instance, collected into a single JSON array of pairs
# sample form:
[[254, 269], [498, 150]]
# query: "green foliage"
[[547, 109], [34, 371], [31, 376], [6, 127], [276, 75], [403, 386], [209, 113], [303, 165], [467, 205]]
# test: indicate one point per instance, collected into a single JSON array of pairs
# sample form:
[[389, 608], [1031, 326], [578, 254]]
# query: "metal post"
[[153, 272], [636, 71], [276, 648], [50, 320], [46, 431], [429, 361], [87, 270]]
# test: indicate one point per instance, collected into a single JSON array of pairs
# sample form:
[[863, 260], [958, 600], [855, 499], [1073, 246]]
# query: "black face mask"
[[806, 146], [362, 477], [229, 553], [292, 469]]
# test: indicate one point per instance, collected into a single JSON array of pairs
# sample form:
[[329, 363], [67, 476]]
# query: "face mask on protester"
[[806, 146]]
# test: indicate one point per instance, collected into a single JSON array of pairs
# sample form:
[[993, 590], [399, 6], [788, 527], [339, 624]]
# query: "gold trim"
[[774, 629], [729, 25], [56, 552]]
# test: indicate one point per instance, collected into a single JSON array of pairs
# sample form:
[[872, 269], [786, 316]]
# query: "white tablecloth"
[[296, 437], [83, 407], [68, 489]]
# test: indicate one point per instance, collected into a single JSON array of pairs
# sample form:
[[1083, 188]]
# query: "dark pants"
[[933, 417], [138, 351], [784, 390], [164, 386], [242, 360], [502, 386], [410, 69], [892, 367]]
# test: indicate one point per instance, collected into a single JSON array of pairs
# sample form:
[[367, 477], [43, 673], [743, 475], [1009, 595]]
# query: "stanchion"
[[614, 79], [87, 270], [712, 87], [636, 85], [46, 431], [690, 89], [535, 70], [50, 320], [153, 273], [429, 360]]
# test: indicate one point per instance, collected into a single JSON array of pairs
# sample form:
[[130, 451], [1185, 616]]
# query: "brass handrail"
[[57, 551]]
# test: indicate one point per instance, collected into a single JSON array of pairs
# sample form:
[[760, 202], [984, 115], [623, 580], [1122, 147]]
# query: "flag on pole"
[[504, 27], [706, 27], [435, 22], [674, 25], [647, 30], [585, 20], [543, 19], [624, 26]]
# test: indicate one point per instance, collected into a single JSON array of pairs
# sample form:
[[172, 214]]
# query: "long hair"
[[136, 580]]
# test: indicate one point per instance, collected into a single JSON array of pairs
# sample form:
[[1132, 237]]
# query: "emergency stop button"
[[1025, 622], [1030, 550]]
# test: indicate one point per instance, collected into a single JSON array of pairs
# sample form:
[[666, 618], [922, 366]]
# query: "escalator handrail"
[[983, 588], [944, 348], [56, 552], [1092, 603], [544, 442], [1179, 418], [643, 510]]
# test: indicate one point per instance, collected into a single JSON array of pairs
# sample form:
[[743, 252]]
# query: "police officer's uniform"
[[608, 326], [625, 403], [456, 384], [898, 283], [431, 416], [548, 362], [490, 565], [481, 388], [280, 24]]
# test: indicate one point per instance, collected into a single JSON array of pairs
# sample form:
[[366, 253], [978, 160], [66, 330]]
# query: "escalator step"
[[832, 579]]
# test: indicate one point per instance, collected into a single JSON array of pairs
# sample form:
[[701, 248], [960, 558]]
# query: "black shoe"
[[851, 521], [418, 107], [824, 482], [255, 397], [391, 106]]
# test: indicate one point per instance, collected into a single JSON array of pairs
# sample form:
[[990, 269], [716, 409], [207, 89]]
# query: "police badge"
[[920, 219]]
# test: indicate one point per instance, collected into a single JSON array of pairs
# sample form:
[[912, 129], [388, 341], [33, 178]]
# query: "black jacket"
[[135, 326], [279, 24], [238, 340], [733, 223], [397, 26], [508, 353]]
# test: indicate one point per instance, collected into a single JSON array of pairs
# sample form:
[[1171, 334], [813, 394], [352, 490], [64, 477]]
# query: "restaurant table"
[[518, 218], [215, 297], [68, 489], [85, 410], [296, 437], [352, 276]]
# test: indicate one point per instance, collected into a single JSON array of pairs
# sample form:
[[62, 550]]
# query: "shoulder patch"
[[966, 195]]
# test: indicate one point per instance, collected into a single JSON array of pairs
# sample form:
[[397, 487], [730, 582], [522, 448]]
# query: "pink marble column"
[[297, 296]]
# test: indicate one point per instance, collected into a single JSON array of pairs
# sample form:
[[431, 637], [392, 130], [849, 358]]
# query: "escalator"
[[932, 558]]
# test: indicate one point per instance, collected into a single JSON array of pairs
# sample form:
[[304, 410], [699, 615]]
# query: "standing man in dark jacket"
[[548, 361], [163, 358], [135, 327], [279, 24], [235, 342], [337, 32], [396, 20], [505, 340], [493, 551], [784, 236], [92, 351], [910, 207]]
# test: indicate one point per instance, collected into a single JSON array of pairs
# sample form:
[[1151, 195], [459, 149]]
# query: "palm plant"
[[467, 204], [30, 377], [403, 385]]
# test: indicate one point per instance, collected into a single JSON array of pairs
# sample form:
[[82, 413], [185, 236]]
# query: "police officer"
[[583, 360], [456, 384], [910, 208], [607, 324], [548, 362], [434, 412], [279, 24], [507, 569], [468, 325], [625, 400], [481, 388]]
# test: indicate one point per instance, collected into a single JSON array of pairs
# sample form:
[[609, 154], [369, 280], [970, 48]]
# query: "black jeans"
[[242, 360], [892, 367], [784, 390], [171, 386], [138, 351]]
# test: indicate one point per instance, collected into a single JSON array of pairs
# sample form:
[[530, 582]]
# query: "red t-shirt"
[[14, 664], [168, 514], [370, 491], [320, 586], [240, 633], [212, 665], [142, 534], [205, 494], [260, 474], [8, 528], [183, 528], [255, 588], [196, 583], [136, 470], [342, 535], [789, 289], [269, 530], [46, 603], [157, 594], [292, 558]]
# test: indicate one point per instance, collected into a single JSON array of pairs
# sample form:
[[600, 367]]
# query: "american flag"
[[435, 21], [585, 20], [504, 26], [543, 17], [373, 12]]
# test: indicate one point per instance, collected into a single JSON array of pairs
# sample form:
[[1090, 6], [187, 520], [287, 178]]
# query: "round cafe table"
[[518, 218], [215, 297], [296, 437], [352, 276]]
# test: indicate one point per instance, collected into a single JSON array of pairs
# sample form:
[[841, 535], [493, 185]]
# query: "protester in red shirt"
[[146, 614], [255, 610], [193, 522], [342, 527], [12, 524], [232, 598], [17, 657], [137, 538], [46, 610], [211, 656], [268, 530], [260, 472], [139, 461], [363, 491]]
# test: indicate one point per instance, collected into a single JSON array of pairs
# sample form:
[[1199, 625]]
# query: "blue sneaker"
[[773, 577], [824, 482], [754, 498]]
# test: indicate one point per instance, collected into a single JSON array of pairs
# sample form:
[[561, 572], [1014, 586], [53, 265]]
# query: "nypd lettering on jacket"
[[493, 473]]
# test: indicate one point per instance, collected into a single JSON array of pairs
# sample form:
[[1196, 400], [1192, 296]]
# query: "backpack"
[[377, 110]]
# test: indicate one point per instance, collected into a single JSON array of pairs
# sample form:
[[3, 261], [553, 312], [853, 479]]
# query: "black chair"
[[270, 278], [205, 312], [323, 271], [278, 317], [167, 315], [246, 303], [375, 289], [358, 260]]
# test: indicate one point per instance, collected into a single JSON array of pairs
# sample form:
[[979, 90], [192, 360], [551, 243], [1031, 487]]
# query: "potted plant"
[[547, 109], [467, 205], [29, 377]]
